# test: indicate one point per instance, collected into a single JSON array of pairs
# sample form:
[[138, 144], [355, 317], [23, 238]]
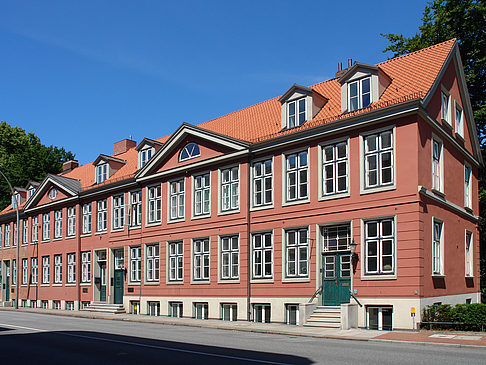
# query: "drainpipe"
[[248, 230], [18, 244], [78, 253]]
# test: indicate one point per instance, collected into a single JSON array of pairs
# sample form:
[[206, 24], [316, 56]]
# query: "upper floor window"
[[296, 113], [297, 176], [230, 257], [335, 169], [7, 235], [46, 227], [87, 218], [135, 263], [230, 189], [101, 215], [71, 224], [297, 253], [336, 238], [262, 183], [438, 248], [459, 121], [101, 173], [1, 236], [85, 267], [437, 165], [176, 199], [71, 268], [145, 156], [58, 269], [118, 212], [262, 255], [16, 234], [30, 192], [176, 261], [469, 255], [445, 107], [201, 259], [154, 204], [35, 229], [152, 262], [136, 209], [378, 155], [380, 246], [58, 224], [359, 94], [25, 235], [467, 187], [190, 150], [15, 199], [202, 195]]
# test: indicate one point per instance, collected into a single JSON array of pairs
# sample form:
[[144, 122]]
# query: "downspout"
[[78, 253], [248, 230]]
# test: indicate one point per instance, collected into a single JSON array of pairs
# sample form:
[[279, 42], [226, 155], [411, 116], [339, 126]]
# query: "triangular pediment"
[[210, 145], [65, 188]]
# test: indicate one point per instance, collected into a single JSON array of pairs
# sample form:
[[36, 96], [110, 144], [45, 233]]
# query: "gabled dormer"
[[300, 104], [361, 85], [146, 149], [31, 187], [106, 166], [19, 196]]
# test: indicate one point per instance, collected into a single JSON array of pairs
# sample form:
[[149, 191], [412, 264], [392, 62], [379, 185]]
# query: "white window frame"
[[359, 93], [229, 257], [378, 153], [154, 204], [45, 269], [459, 120], [380, 272], [35, 229], [25, 272], [58, 269], [176, 199], [266, 311], [190, 154], [437, 164], [153, 262], [87, 218], [467, 186], [7, 235], [437, 247], [1, 237], [145, 155], [262, 177], [297, 104], [58, 223], [86, 267], [102, 215], [201, 206], [300, 260], [33, 271], [71, 221], [229, 189], [298, 179], [334, 163], [46, 226], [71, 268], [135, 212], [259, 255], [175, 258], [201, 258], [201, 310], [25, 230], [118, 202], [102, 172], [445, 106], [468, 254], [15, 235], [232, 309], [135, 264]]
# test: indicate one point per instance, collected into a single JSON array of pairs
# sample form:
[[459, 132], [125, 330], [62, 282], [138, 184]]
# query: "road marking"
[[23, 328]]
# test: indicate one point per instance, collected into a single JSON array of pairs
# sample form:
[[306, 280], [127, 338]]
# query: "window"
[[467, 187], [69, 305], [437, 165], [118, 212], [297, 176], [359, 94], [15, 199], [14, 272], [176, 199], [16, 235], [7, 235], [87, 218], [145, 156], [135, 263], [153, 262], [469, 255], [46, 226], [437, 249], [1, 236], [25, 235], [35, 229], [57, 269], [202, 195], [378, 156], [379, 318], [335, 169], [154, 204], [33, 272], [190, 150], [230, 257], [459, 121], [201, 310], [296, 112], [262, 183], [175, 309], [380, 247], [134, 307], [336, 238], [85, 267], [33, 303], [25, 272], [45, 304], [56, 304], [71, 267], [58, 224], [102, 213], [45, 270], [292, 314], [153, 309], [176, 261], [71, 228], [101, 173], [261, 313], [201, 259], [297, 252], [262, 255], [135, 209], [230, 189], [53, 193], [30, 192], [445, 107], [229, 311]]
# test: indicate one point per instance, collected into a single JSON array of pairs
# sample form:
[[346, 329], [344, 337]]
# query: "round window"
[[53, 193]]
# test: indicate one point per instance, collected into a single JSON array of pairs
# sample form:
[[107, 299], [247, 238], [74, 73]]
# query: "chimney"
[[350, 62], [69, 165], [123, 146], [340, 66]]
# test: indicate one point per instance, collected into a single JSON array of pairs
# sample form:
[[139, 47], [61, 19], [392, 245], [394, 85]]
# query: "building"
[[255, 215]]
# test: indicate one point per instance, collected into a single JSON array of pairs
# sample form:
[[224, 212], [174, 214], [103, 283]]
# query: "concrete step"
[[324, 320], [325, 316], [105, 308], [323, 325]]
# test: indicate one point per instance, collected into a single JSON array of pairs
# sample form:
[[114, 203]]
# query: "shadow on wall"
[[86, 347]]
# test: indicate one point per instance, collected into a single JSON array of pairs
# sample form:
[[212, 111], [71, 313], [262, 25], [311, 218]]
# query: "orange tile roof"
[[412, 76]]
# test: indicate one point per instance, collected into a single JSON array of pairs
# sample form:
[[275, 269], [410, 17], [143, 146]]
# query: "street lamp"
[[16, 240]]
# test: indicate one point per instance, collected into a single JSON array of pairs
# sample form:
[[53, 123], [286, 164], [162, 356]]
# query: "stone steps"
[[325, 317], [105, 308]]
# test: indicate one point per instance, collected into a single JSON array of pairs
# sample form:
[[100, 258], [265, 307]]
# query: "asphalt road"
[[30, 338]]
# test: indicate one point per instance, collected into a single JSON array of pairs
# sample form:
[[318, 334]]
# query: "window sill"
[[470, 210], [131, 228], [25, 244], [201, 216], [134, 283], [71, 284], [460, 137], [377, 189], [438, 276], [228, 281], [438, 192], [88, 234], [261, 207], [44, 285], [295, 202], [151, 283], [114, 230], [177, 220], [98, 233], [57, 284], [262, 281], [469, 276], [379, 277], [226, 212], [296, 280], [33, 243], [175, 282], [70, 237], [45, 241], [85, 284], [33, 285], [334, 196], [446, 122], [199, 282], [153, 224], [57, 239]]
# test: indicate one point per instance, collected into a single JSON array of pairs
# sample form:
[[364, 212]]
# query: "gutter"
[[248, 230]]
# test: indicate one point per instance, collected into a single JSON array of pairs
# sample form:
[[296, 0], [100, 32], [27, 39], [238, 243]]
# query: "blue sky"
[[83, 75]]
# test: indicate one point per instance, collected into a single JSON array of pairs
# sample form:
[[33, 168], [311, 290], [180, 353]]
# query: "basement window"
[[379, 318]]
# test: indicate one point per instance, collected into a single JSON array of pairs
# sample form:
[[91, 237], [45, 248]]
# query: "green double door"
[[336, 278], [118, 287]]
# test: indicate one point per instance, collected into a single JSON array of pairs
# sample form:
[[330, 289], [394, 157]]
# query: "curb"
[[444, 344]]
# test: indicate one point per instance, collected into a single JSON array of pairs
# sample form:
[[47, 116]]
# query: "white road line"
[[23, 328]]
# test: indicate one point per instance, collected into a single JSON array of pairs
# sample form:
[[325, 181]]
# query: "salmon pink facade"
[[349, 203]]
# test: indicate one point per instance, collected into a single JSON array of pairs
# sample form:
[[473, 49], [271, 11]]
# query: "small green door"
[[7, 281], [103, 282], [118, 287], [336, 278]]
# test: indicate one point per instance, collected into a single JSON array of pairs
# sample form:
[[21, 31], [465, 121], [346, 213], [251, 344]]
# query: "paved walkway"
[[444, 338]]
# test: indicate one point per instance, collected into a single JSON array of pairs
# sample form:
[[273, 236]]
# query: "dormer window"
[[190, 150], [145, 156], [30, 192], [15, 199], [359, 93], [296, 113], [101, 173]]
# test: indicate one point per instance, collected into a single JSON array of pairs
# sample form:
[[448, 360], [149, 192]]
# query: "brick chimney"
[[69, 165], [123, 146]]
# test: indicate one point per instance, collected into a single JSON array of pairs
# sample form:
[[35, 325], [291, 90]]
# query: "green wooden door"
[[118, 287], [7, 281], [336, 278], [103, 282]]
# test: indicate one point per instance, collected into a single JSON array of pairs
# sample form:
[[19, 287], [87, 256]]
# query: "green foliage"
[[23, 158], [468, 317]]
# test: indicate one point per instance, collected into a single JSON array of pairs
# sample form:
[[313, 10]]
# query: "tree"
[[23, 158]]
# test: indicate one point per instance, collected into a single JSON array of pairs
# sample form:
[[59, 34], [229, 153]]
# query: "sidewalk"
[[444, 338]]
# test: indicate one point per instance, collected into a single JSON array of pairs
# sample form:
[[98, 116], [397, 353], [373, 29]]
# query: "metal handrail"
[[357, 301], [318, 291]]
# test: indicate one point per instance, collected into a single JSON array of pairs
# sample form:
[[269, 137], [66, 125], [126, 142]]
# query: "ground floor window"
[[56, 304], [153, 309], [261, 313], [45, 304], [33, 303], [69, 305], [175, 309], [379, 318], [134, 307], [292, 314], [84, 305], [201, 310], [229, 312], [23, 303]]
